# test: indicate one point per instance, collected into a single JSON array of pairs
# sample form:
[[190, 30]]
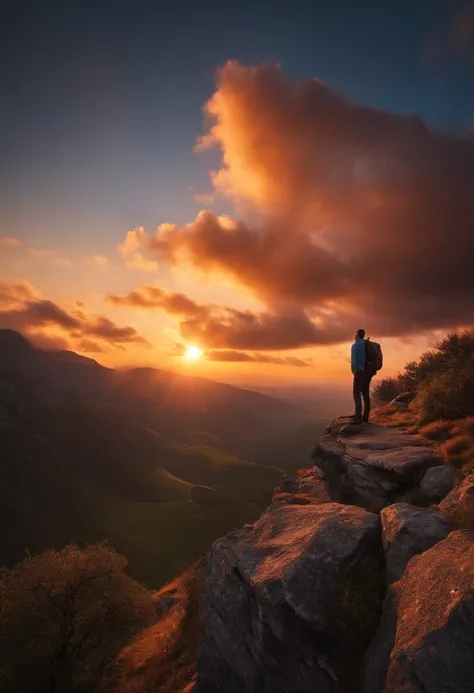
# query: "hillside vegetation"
[[439, 393], [64, 616]]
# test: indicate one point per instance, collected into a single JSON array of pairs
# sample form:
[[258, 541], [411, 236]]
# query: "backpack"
[[374, 356]]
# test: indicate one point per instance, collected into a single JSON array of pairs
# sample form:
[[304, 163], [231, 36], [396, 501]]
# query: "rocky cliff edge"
[[342, 586]]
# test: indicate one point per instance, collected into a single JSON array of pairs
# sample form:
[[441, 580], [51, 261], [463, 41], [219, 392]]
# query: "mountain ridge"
[[150, 461]]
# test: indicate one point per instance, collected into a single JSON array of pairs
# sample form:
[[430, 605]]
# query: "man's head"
[[360, 334]]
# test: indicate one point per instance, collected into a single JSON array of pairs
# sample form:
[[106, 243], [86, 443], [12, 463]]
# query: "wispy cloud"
[[101, 260], [9, 241], [56, 256], [236, 356], [241, 356]]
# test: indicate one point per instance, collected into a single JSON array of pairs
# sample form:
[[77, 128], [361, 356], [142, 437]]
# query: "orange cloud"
[[133, 241], [101, 260], [239, 356], [22, 309], [236, 356], [9, 241], [14, 293], [149, 296], [364, 216], [140, 262], [221, 327]]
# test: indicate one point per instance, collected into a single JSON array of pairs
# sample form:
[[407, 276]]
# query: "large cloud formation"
[[22, 309], [354, 216], [221, 327]]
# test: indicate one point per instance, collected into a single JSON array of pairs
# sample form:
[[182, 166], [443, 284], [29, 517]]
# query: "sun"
[[193, 353]]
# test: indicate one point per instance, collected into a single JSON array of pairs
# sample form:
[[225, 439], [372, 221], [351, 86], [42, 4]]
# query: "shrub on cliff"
[[454, 352], [448, 395], [386, 390], [442, 378], [64, 615]]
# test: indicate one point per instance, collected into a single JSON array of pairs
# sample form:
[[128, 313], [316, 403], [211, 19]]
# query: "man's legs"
[[357, 392], [366, 396]]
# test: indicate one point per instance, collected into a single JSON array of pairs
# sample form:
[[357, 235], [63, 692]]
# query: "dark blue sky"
[[102, 100]]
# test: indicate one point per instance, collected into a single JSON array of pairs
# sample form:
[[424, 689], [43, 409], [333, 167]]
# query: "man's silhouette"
[[362, 377]]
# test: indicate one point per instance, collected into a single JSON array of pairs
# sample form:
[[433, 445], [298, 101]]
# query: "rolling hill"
[[88, 453]]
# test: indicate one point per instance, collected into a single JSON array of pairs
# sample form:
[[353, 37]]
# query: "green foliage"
[[64, 615], [386, 390], [449, 395], [442, 380], [455, 351]]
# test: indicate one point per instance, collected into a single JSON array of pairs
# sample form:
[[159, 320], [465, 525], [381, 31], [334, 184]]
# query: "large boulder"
[[408, 530], [438, 481], [459, 503], [425, 642], [371, 466], [290, 602]]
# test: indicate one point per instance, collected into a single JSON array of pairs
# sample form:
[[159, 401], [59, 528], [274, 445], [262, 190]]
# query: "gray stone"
[[408, 530], [290, 602], [438, 481], [371, 465], [403, 400], [425, 641]]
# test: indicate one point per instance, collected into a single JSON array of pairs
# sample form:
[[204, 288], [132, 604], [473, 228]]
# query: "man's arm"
[[353, 358]]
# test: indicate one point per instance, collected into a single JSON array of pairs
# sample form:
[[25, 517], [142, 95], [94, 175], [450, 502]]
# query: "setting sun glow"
[[193, 353]]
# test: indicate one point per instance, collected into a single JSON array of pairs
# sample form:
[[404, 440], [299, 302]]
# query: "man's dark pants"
[[362, 392]]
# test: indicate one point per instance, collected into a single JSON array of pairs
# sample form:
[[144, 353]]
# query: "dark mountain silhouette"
[[88, 453]]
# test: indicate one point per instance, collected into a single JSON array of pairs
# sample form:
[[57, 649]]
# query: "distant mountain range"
[[159, 464]]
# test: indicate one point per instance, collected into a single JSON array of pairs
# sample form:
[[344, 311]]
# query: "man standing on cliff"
[[362, 377]]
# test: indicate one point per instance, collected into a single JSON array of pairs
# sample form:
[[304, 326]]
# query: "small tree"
[[457, 348], [64, 615], [455, 351]]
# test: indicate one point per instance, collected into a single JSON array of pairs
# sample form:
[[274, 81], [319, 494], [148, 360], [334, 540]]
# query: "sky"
[[256, 180]]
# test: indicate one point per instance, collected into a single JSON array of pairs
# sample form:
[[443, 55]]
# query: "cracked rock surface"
[[371, 466], [322, 596]]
